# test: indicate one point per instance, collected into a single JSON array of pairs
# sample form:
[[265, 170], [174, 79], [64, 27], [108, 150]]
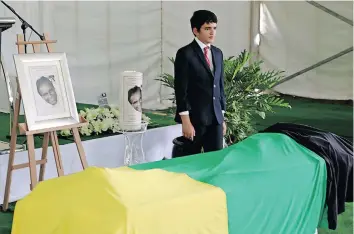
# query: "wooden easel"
[[48, 133]]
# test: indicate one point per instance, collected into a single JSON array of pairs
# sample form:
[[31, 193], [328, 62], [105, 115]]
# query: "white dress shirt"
[[210, 57]]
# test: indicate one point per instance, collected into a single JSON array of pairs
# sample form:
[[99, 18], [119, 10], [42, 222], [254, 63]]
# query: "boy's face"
[[206, 33], [136, 101], [48, 93]]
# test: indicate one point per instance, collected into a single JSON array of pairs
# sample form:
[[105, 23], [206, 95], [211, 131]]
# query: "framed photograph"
[[46, 88]]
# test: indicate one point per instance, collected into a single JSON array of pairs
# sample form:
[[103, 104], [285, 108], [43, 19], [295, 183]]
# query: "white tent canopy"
[[297, 35], [102, 39]]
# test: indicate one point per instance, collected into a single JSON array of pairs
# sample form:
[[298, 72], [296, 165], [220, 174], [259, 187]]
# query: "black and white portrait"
[[135, 98], [46, 90], [48, 95]]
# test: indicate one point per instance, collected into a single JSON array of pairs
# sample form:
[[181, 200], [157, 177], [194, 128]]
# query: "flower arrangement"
[[100, 120]]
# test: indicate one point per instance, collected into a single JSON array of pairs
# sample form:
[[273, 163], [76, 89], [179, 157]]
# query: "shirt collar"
[[201, 44]]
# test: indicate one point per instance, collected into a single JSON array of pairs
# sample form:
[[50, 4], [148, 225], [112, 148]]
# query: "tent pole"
[[320, 63], [329, 11], [161, 49], [254, 28]]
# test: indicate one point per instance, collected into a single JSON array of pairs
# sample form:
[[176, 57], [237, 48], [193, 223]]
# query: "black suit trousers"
[[208, 137]]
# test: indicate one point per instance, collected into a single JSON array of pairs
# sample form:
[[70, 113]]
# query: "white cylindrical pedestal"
[[130, 103]]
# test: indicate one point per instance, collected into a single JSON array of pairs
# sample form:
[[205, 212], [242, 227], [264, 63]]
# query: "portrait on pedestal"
[[131, 100]]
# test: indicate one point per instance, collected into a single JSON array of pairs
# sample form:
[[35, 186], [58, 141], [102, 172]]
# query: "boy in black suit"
[[199, 86]]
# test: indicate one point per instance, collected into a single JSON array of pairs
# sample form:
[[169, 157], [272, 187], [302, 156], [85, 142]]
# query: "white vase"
[[130, 100]]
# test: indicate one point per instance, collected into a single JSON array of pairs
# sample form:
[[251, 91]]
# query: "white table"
[[101, 152]]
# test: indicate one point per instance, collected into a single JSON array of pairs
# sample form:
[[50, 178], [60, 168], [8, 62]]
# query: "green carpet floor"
[[333, 117]]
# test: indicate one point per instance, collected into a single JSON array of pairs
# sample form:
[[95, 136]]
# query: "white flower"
[[83, 113], [91, 114], [115, 112], [145, 118], [85, 130], [65, 132], [107, 123], [115, 127], [107, 113], [97, 126], [101, 120]]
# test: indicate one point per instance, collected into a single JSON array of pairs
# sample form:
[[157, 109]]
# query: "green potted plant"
[[247, 91]]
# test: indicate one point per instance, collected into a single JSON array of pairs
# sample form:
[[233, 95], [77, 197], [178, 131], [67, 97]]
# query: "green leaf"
[[245, 84], [261, 114]]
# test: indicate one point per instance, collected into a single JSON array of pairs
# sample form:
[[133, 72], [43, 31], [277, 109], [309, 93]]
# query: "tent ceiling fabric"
[[297, 35], [102, 39]]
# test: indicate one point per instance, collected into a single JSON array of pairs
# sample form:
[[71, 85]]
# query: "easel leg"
[[32, 161], [57, 156], [13, 143], [30, 135], [44, 155], [80, 149]]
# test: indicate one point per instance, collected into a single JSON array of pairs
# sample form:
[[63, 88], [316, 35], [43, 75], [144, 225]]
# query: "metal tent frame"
[[324, 61]]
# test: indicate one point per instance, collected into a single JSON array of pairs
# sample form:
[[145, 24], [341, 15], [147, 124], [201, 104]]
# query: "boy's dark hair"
[[201, 17]]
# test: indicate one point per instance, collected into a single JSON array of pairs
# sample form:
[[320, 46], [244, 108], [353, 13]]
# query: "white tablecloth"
[[102, 152]]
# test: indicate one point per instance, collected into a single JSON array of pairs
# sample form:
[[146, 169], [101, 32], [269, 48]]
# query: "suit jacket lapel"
[[200, 54]]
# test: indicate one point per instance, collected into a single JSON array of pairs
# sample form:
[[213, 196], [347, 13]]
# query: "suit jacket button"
[[214, 86], [214, 98]]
